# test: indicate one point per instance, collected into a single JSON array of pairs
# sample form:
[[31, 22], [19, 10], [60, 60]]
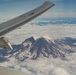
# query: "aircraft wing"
[[22, 19]]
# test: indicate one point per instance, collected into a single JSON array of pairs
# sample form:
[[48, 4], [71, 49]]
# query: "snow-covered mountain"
[[41, 47]]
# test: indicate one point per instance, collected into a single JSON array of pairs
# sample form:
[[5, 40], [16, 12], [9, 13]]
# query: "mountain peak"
[[48, 39], [43, 46]]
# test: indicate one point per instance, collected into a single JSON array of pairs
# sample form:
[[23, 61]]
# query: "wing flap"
[[4, 43]]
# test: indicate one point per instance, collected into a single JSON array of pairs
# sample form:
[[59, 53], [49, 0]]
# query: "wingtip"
[[48, 2]]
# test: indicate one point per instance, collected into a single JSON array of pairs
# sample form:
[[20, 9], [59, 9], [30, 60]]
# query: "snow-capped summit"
[[47, 38], [42, 46]]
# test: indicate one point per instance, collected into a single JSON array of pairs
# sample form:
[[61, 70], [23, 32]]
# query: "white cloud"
[[53, 31], [42, 66], [60, 71]]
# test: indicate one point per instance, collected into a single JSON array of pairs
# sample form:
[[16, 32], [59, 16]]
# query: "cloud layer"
[[44, 66]]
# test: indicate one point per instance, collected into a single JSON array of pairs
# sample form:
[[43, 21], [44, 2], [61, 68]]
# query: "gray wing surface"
[[22, 19]]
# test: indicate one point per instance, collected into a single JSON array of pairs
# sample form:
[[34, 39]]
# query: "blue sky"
[[11, 8]]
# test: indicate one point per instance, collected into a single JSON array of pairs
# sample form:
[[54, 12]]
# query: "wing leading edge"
[[22, 19]]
